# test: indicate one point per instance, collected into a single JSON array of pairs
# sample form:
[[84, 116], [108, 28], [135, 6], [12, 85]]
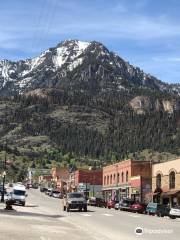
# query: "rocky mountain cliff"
[[78, 65]]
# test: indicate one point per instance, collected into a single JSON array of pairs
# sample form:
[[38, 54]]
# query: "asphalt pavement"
[[44, 219]]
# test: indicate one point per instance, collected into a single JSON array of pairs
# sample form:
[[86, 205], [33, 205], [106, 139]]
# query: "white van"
[[18, 195]]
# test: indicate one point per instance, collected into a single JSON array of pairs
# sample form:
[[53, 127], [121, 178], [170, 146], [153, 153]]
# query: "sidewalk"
[[2, 206]]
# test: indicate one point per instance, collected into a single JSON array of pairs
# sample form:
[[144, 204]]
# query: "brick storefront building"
[[45, 179], [60, 177], [127, 178], [89, 179], [89, 176], [166, 182]]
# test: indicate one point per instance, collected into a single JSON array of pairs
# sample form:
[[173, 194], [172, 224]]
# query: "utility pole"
[[93, 183], [5, 159], [86, 190], [4, 173]]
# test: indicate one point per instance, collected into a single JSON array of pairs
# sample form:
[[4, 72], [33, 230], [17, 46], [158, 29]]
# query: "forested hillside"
[[100, 126]]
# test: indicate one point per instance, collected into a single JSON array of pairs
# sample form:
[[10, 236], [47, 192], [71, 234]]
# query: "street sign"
[[83, 186]]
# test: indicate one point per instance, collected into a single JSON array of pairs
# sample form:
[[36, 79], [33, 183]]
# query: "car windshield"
[[19, 192], [75, 195], [152, 205], [128, 201], [56, 192]]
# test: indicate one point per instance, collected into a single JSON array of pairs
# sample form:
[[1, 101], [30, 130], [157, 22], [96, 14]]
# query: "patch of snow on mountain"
[[75, 64], [72, 51], [61, 57], [82, 45], [25, 72], [37, 61], [5, 70]]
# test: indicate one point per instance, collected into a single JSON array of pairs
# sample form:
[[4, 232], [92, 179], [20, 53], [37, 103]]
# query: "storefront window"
[[127, 176], [118, 177], [172, 180], [111, 179], [158, 181], [105, 180], [122, 177]]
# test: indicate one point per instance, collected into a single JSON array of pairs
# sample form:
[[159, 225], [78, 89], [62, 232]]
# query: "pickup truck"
[[74, 200]]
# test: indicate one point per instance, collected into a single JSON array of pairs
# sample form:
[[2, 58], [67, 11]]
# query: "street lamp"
[[5, 163], [4, 179], [4, 173]]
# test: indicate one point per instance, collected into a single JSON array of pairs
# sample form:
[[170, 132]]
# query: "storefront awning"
[[169, 193], [115, 188], [157, 191]]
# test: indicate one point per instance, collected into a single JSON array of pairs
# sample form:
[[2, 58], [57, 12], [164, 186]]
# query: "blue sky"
[[144, 32]]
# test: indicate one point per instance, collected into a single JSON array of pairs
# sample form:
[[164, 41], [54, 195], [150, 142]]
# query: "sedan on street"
[[125, 204], [138, 207], [174, 212]]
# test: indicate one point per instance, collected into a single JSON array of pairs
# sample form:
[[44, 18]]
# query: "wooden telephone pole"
[[5, 161], [4, 173]]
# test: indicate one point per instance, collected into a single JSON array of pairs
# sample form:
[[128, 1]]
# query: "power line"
[[44, 22]]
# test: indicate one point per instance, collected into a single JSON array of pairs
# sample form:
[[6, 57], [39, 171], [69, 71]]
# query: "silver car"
[[174, 212]]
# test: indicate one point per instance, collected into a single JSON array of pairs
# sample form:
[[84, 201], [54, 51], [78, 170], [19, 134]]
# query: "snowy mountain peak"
[[68, 51], [76, 64]]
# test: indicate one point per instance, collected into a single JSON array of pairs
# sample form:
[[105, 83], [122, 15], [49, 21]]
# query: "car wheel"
[[85, 209], [172, 217], [159, 214], [23, 204], [64, 208], [80, 209]]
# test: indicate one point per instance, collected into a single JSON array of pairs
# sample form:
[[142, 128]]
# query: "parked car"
[[138, 207], [35, 185], [43, 189], [125, 204], [56, 194], [174, 212], [101, 202], [48, 192], [111, 203], [91, 201], [75, 200], [97, 202], [157, 209], [116, 207]]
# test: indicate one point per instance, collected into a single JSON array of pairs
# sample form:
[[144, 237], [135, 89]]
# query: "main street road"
[[43, 219]]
